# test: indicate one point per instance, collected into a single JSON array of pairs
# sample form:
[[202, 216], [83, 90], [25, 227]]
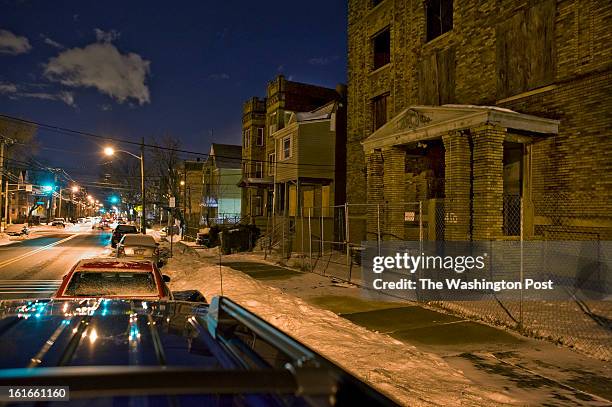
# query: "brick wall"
[[574, 86]]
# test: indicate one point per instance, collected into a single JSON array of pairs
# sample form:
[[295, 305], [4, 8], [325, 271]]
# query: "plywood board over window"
[[437, 77], [525, 50]]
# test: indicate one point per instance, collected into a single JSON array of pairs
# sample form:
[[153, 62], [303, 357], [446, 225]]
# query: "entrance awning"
[[420, 123], [255, 182]]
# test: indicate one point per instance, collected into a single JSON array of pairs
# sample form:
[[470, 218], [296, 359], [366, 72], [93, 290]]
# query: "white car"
[[59, 222], [139, 247]]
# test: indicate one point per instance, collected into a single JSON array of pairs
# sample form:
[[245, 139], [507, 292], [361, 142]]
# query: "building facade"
[[191, 187], [261, 119], [221, 196], [484, 109]]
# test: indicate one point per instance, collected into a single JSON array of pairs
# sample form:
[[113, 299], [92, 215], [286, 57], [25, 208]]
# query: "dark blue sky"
[[145, 68]]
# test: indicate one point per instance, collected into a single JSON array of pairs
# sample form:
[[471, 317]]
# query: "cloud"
[[103, 67], [323, 60], [218, 76], [52, 43], [14, 92], [66, 97], [7, 88], [104, 36], [13, 44]]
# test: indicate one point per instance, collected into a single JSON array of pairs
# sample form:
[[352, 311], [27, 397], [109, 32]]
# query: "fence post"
[[378, 226], [522, 282], [310, 239], [322, 245], [421, 225], [302, 227], [346, 237]]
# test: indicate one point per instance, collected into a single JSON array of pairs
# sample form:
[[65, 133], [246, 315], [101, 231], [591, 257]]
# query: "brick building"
[[190, 191], [473, 107], [261, 119]]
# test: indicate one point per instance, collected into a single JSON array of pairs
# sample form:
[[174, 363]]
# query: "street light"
[[109, 151], [75, 189]]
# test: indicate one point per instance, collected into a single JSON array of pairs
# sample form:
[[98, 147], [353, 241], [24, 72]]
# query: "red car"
[[114, 278]]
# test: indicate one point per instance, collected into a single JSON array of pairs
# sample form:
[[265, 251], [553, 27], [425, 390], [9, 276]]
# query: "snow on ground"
[[410, 376]]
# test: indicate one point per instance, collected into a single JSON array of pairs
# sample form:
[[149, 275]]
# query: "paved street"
[[33, 268]]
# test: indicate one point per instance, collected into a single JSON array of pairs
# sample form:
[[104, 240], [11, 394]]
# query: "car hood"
[[100, 332], [170, 353]]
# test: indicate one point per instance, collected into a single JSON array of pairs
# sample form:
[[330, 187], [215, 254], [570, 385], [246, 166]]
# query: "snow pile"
[[410, 376]]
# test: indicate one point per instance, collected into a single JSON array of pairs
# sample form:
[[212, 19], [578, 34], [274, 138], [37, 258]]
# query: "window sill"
[[438, 39], [382, 68]]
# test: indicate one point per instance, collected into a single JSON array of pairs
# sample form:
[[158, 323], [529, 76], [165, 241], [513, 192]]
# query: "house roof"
[[321, 113], [226, 155], [419, 123]]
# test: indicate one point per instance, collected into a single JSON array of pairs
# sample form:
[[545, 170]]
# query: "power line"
[[67, 131]]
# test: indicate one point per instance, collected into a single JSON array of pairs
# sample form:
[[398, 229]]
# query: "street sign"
[[172, 202]]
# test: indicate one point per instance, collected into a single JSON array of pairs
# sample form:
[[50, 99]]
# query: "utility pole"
[[3, 195], [143, 225], [185, 196]]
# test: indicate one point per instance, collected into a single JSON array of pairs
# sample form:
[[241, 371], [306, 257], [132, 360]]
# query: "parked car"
[[17, 230], [121, 230], [59, 222], [167, 353], [140, 247], [169, 230], [114, 278]]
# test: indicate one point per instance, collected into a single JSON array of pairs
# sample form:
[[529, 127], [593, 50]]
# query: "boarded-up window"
[[326, 210], [379, 111], [381, 44], [292, 200], [439, 15], [525, 50], [437, 77], [308, 199]]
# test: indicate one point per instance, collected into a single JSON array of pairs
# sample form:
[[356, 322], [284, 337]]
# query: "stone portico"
[[469, 162]]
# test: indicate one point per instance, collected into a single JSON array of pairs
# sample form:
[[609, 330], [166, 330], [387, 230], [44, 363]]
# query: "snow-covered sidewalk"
[[411, 376]]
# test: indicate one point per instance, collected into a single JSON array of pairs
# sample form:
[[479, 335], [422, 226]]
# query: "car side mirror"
[[166, 278]]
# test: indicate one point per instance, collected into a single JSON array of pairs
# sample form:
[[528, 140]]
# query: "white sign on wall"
[[172, 202]]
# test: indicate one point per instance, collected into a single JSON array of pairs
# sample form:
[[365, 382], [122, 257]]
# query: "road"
[[33, 268]]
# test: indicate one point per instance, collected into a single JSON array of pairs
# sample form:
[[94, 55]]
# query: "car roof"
[[114, 264], [138, 240]]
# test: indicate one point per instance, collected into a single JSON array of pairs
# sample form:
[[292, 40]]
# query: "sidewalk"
[[526, 371]]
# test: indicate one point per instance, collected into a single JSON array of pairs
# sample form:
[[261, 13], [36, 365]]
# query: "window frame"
[[283, 148], [271, 163], [375, 65], [373, 101], [429, 36], [260, 137], [259, 170]]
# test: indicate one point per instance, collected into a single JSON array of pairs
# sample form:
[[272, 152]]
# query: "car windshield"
[[126, 229], [108, 283]]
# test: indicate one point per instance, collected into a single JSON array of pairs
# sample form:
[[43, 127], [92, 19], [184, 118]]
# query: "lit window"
[[286, 147], [439, 15]]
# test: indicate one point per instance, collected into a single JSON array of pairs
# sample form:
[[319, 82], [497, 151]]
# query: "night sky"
[[147, 68]]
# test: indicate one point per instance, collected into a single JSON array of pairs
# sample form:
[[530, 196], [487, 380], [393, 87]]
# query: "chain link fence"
[[330, 241]]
